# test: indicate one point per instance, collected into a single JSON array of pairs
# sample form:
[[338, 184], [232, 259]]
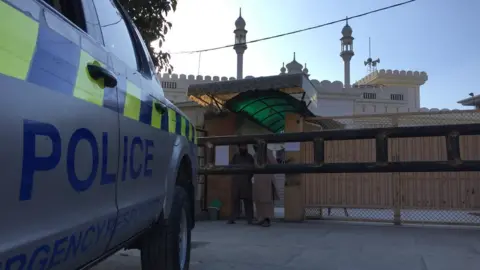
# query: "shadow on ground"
[[323, 245]]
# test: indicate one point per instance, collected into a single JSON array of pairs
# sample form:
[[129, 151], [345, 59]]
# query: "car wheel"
[[168, 245]]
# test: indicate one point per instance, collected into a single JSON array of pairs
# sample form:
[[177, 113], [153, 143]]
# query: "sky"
[[439, 37]]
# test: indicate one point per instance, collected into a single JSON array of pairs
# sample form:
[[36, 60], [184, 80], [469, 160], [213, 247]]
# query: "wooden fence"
[[447, 197]]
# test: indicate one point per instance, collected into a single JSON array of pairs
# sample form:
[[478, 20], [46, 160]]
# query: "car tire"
[[163, 248]]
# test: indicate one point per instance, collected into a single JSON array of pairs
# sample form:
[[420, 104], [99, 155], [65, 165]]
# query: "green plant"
[[150, 18]]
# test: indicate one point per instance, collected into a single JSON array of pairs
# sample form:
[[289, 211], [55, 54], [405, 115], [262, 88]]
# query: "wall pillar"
[[219, 186], [294, 183]]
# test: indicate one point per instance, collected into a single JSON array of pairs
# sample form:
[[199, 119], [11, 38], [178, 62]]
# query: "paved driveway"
[[323, 245]]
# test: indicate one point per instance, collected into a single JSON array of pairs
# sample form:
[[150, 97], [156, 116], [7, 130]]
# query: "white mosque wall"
[[335, 107], [337, 100], [332, 100], [193, 111]]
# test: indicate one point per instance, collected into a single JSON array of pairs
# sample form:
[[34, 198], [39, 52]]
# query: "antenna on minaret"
[[199, 62], [372, 64]]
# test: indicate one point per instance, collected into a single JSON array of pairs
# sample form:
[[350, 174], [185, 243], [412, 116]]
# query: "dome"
[[294, 66], [240, 22], [347, 30]]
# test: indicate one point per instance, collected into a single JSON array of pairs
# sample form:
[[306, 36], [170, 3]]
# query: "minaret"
[[347, 52], [240, 43]]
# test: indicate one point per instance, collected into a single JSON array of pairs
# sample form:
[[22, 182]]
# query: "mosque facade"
[[381, 91]]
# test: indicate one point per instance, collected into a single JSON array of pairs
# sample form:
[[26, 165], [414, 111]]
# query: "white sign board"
[[292, 147], [222, 155]]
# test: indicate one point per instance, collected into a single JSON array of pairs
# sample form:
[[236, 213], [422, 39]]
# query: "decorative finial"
[[293, 56], [283, 69], [305, 69], [346, 19], [240, 22]]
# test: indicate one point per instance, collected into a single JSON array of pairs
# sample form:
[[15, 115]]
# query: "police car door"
[[143, 145], [59, 138]]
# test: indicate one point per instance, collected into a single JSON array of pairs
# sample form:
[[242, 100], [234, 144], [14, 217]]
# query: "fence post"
[[397, 195], [294, 185], [319, 159], [396, 180]]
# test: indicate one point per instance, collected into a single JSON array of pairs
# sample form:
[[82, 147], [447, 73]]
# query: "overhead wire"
[[298, 31]]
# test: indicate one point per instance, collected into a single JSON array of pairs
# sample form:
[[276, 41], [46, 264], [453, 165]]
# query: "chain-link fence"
[[347, 213], [445, 198], [421, 216]]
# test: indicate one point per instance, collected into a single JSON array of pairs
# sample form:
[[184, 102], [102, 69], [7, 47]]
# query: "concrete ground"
[[321, 245]]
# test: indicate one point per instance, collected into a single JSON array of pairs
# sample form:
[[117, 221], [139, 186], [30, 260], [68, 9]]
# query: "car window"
[[71, 9], [144, 50], [116, 36]]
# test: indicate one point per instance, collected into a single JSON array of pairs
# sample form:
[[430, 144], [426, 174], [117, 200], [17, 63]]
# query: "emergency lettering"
[[51, 254], [137, 157]]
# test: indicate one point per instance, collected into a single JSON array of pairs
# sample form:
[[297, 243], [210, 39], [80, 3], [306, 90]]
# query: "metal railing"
[[452, 134], [202, 180]]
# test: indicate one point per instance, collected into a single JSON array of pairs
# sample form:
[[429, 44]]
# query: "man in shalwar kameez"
[[242, 186]]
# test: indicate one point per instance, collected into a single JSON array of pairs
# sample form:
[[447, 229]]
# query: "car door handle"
[[97, 72], [159, 106]]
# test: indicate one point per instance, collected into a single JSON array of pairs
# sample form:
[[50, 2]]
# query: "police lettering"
[[137, 157]]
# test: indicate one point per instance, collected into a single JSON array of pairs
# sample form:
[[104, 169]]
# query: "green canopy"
[[267, 107]]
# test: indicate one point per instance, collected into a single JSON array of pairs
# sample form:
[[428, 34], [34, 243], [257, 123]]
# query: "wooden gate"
[[448, 197]]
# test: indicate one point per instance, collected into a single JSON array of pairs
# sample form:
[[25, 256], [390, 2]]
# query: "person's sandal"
[[266, 222], [259, 222]]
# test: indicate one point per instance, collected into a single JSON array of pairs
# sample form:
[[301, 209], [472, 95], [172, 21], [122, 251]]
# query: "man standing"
[[264, 192], [241, 186]]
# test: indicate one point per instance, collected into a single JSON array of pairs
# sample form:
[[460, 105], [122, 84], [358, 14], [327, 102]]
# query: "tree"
[[150, 18]]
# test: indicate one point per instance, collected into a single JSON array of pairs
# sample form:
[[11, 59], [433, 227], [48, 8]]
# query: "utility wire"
[[298, 31]]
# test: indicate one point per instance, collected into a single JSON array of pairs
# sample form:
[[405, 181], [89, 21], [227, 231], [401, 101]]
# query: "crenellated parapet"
[[423, 109], [394, 77], [321, 86], [192, 78], [327, 86]]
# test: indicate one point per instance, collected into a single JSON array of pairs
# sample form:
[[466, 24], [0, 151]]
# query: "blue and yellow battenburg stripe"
[[16, 47], [34, 52]]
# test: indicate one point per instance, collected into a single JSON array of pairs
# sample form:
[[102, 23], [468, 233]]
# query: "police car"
[[93, 157]]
